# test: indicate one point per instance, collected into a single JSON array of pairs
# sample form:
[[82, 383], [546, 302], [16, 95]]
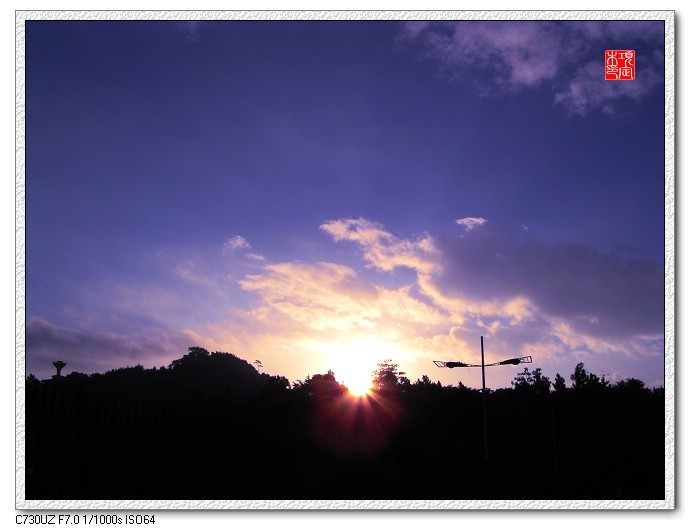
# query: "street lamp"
[[459, 364]]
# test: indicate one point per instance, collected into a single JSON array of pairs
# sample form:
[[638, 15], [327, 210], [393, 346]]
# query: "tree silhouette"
[[534, 381], [582, 379], [276, 385], [559, 384], [630, 385], [387, 377], [426, 383], [321, 386], [215, 417], [194, 354]]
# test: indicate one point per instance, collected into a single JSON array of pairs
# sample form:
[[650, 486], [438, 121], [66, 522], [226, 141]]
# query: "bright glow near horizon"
[[317, 222], [353, 361]]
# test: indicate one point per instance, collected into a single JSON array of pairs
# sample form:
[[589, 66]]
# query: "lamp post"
[[459, 364]]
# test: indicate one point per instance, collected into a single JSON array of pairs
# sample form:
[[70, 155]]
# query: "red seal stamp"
[[619, 65]]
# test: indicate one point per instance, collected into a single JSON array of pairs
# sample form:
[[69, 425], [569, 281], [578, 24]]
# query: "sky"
[[327, 195]]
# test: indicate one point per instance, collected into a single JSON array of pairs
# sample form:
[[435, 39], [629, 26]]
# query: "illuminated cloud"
[[330, 297], [558, 303], [381, 248], [489, 284], [321, 296]]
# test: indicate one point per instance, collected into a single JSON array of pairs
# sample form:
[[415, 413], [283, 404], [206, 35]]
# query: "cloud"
[[321, 296], [587, 92], [190, 28], [500, 281], [382, 250], [502, 275], [331, 297], [600, 294], [418, 299], [470, 223], [236, 243], [90, 351], [518, 54], [509, 56], [560, 301]]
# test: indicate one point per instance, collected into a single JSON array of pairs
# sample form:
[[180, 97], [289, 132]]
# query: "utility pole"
[[486, 429], [460, 364]]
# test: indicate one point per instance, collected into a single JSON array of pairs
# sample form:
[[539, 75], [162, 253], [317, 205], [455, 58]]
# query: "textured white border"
[[667, 503]]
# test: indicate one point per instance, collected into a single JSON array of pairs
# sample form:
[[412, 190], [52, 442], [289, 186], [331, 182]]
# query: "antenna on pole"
[[460, 364]]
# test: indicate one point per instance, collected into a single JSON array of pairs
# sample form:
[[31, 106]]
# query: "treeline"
[[212, 426]]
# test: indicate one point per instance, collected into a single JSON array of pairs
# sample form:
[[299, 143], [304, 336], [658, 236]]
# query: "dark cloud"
[[600, 294], [567, 56], [94, 351]]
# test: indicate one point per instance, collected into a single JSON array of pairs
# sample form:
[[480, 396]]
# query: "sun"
[[354, 359], [352, 366], [353, 371], [358, 386]]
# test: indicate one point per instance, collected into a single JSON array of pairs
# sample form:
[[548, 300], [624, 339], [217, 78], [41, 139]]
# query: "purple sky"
[[326, 195]]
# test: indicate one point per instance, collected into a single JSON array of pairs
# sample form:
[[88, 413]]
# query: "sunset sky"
[[327, 195]]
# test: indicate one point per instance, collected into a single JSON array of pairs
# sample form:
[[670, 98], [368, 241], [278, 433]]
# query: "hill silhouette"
[[211, 426]]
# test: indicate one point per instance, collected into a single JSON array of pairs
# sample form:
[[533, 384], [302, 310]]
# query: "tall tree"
[[582, 379], [559, 384], [387, 377]]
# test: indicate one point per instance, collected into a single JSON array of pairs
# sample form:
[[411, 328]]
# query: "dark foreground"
[[148, 435]]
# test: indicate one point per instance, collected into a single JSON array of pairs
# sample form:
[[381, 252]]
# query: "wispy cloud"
[[190, 28], [586, 92], [470, 223], [382, 249], [236, 243], [508, 56]]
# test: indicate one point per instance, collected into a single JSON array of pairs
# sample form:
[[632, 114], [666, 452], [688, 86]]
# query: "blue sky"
[[325, 195]]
